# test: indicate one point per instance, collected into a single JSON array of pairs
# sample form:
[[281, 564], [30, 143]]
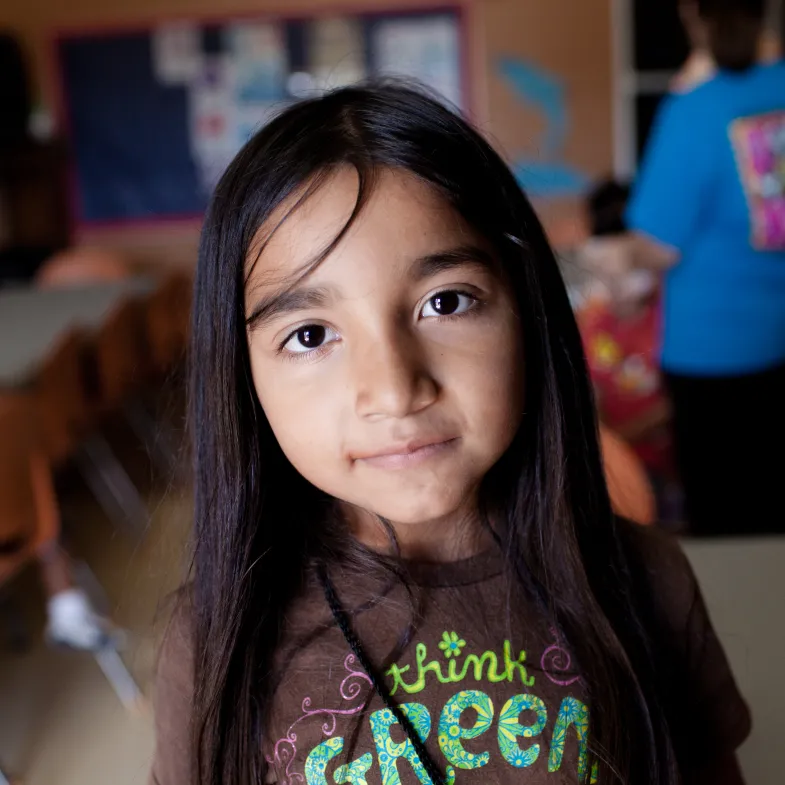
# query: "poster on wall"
[[177, 53], [156, 115], [546, 173], [424, 49], [258, 52], [232, 94], [336, 53], [212, 122]]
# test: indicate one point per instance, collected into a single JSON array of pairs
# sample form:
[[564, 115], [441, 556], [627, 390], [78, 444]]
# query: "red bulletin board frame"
[[461, 8]]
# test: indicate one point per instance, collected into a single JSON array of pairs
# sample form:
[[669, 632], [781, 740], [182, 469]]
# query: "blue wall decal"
[[549, 174]]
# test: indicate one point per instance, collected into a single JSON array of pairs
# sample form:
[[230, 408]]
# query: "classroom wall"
[[569, 40]]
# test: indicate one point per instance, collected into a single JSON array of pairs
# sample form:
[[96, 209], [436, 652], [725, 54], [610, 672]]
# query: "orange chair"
[[631, 493], [122, 354], [78, 266], [167, 315], [87, 377], [29, 517], [120, 369], [63, 395]]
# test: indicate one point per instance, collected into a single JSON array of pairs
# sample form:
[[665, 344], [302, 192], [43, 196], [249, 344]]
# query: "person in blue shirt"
[[709, 209]]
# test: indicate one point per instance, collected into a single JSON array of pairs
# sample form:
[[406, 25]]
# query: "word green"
[[511, 733]]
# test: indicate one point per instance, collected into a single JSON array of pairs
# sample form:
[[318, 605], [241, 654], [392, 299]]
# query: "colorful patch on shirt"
[[759, 146], [636, 375], [604, 352]]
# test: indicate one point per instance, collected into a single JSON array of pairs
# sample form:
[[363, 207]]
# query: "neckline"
[[462, 572]]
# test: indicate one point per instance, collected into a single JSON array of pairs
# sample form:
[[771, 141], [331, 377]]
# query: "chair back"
[[167, 316], [29, 518], [632, 495], [122, 353], [62, 395], [79, 266]]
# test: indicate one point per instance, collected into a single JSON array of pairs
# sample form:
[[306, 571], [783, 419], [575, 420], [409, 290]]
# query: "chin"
[[411, 509]]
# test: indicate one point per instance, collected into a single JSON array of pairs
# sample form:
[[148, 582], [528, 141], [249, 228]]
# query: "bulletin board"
[[155, 115]]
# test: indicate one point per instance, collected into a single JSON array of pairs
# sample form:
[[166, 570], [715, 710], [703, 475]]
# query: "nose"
[[392, 378]]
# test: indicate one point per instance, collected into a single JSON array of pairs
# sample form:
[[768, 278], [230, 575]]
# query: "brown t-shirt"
[[492, 691]]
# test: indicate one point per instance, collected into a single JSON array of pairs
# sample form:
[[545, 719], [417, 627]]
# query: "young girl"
[[406, 566]]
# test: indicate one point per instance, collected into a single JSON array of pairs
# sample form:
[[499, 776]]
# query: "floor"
[[60, 723], [744, 586]]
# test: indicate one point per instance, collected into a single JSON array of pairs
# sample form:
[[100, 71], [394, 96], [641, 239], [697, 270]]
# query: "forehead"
[[402, 218]]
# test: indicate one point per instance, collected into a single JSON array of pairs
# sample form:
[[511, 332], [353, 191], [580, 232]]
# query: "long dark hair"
[[258, 523], [733, 28]]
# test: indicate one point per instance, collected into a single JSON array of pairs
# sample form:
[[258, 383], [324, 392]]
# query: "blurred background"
[[117, 120]]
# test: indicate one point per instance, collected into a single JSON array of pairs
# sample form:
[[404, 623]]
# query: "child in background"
[[620, 324], [406, 568]]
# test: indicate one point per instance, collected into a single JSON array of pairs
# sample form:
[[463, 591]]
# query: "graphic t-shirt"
[[495, 695], [712, 186]]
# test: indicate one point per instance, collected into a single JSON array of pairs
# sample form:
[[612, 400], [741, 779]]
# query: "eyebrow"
[[279, 303], [444, 261]]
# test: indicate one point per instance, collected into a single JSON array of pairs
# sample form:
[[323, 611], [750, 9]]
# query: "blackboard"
[[132, 126]]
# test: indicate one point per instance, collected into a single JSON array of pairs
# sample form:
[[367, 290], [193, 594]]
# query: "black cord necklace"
[[344, 623]]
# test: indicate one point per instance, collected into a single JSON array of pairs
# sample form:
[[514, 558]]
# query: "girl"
[[406, 566]]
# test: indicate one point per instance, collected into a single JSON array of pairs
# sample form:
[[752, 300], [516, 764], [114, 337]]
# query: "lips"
[[407, 454]]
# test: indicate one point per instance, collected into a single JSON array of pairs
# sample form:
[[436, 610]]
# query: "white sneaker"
[[74, 623]]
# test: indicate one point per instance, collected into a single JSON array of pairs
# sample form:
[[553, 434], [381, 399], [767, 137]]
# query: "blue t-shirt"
[[712, 185]]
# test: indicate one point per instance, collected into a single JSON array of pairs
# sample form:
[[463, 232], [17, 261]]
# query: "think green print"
[[486, 666], [510, 732]]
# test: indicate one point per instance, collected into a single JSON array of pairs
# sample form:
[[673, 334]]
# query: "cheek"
[[489, 384], [301, 417]]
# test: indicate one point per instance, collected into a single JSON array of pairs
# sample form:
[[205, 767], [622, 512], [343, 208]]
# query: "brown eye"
[[447, 303], [308, 338], [311, 337]]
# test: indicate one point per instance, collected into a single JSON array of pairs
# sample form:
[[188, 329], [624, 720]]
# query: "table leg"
[[5, 780], [120, 678], [112, 486]]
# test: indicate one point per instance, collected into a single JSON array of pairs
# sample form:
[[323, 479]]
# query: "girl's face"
[[392, 373]]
